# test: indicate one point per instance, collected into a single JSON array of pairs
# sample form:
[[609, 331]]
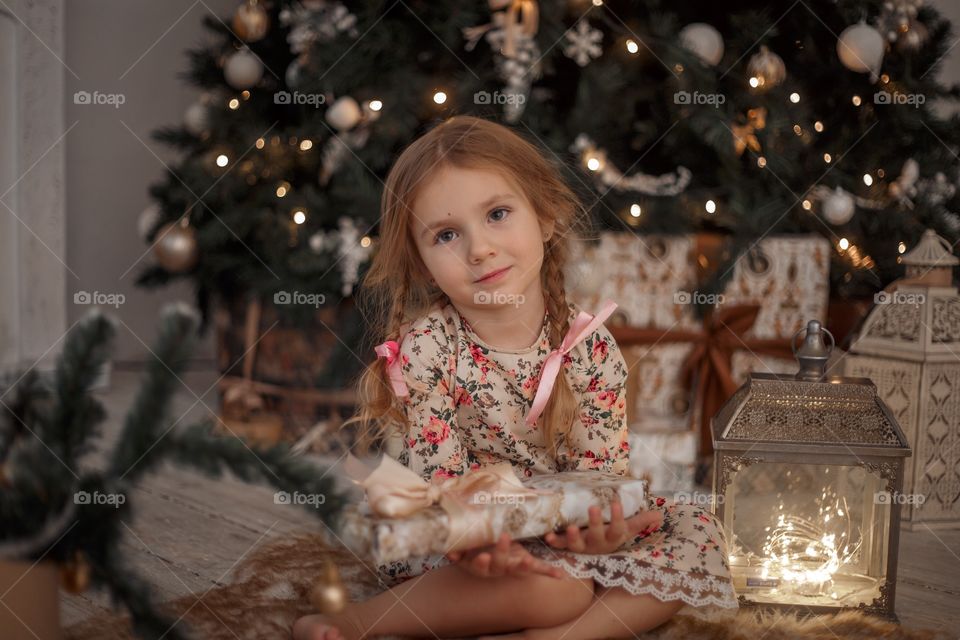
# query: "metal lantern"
[[910, 346], [807, 469]]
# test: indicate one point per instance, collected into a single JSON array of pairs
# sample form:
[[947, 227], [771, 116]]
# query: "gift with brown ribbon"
[[707, 369]]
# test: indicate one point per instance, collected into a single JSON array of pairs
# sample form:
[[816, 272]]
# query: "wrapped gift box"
[[653, 279], [555, 501]]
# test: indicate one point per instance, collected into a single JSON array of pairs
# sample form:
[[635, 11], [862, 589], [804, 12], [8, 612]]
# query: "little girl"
[[486, 361]]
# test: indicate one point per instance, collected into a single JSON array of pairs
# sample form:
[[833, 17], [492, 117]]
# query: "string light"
[[827, 158], [807, 205], [597, 3], [902, 247], [635, 210], [761, 162], [880, 173], [884, 78], [593, 164], [678, 68], [797, 130], [234, 104], [222, 160], [260, 143], [844, 244], [306, 145], [245, 94], [711, 206], [867, 179], [299, 216], [754, 82], [794, 97], [439, 97], [365, 241], [283, 189], [856, 101], [818, 126], [632, 46], [376, 105]]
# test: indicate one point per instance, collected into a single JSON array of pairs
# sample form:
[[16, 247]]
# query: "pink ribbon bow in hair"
[[582, 326], [391, 351]]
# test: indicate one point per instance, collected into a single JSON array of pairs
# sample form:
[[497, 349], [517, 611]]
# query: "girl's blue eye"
[[505, 212], [438, 238]]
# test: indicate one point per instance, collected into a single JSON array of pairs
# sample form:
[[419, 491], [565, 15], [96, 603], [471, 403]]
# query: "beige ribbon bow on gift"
[[395, 491]]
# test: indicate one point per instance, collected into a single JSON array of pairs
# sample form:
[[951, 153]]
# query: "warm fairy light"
[[880, 173], [245, 94], [635, 210], [439, 97], [260, 143], [234, 103], [856, 101], [867, 179], [818, 126], [597, 3], [902, 247], [306, 145], [376, 105], [283, 189], [794, 97], [678, 68], [632, 46], [884, 78], [222, 160], [807, 205], [754, 82], [710, 206], [827, 158], [299, 216], [797, 129], [844, 244], [761, 162], [365, 241], [593, 163]]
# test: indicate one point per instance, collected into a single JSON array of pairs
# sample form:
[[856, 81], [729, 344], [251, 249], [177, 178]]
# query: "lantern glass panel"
[[808, 534]]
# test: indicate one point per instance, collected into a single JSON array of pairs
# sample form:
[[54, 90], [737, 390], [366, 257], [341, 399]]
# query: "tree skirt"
[[269, 591]]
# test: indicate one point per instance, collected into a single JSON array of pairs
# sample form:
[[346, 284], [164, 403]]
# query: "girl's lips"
[[495, 276]]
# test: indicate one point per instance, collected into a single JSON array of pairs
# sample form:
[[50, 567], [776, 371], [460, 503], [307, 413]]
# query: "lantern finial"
[[931, 262], [813, 353]]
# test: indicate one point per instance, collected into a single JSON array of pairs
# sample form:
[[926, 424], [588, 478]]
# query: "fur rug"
[[269, 591]]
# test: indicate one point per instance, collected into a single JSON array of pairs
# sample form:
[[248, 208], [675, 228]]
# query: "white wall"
[[135, 48]]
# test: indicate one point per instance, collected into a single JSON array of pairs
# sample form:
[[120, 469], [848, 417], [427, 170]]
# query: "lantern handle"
[[793, 340], [814, 353]]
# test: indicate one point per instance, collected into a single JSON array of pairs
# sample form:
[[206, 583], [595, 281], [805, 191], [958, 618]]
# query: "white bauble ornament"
[[860, 48], [147, 220], [344, 114], [767, 67], [243, 70], [318, 242], [838, 207], [704, 41], [176, 248], [197, 118]]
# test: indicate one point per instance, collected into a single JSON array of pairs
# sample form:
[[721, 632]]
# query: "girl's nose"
[[481, 248]]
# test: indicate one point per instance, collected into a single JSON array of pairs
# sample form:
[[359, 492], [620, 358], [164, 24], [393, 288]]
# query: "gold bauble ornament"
[[768, 68], [75, 573], [328, 594], [176, 247], [251, 21]]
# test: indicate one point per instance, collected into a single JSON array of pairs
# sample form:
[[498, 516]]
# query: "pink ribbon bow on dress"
[[391, 351], [582, 326]]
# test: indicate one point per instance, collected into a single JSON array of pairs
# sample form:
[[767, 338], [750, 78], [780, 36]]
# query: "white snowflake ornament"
[[584, 43]]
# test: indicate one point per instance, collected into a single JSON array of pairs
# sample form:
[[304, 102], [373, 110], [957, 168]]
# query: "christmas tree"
[[56, 509], [742, 118]]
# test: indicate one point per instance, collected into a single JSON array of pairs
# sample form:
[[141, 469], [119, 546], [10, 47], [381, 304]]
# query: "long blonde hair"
[[396, 287]]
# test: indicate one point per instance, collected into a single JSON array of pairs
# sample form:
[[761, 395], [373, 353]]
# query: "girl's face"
[[469, 223]]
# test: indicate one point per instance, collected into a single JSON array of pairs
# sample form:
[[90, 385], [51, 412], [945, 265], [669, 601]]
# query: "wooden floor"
[[190, 531]]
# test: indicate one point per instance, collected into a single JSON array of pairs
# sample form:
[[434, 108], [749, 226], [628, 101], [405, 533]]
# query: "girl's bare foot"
[[321, 627]]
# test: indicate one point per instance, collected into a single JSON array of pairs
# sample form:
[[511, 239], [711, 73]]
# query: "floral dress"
[[466, 405]]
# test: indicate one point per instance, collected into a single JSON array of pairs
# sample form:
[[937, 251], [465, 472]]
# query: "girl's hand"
[[600, 538], [500, 559]]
